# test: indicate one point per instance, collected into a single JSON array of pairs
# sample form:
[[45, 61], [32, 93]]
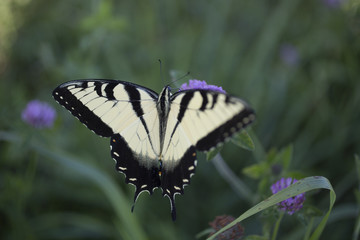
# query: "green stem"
[[308, 230], [237, 184], [277, 225]]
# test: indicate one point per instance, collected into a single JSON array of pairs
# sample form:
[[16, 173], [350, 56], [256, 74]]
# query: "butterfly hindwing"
[[173, 180], [143, 175]]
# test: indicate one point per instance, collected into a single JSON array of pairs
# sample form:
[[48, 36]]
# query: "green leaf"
[[263, 186], [282, 157], [204, 233], [312, 211], [212, 153], [304, 185], [243, 140], [271, 155], [286, 156], [255, 171]]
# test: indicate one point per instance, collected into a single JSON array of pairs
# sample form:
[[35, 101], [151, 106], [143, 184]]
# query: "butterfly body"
[[154, 137]]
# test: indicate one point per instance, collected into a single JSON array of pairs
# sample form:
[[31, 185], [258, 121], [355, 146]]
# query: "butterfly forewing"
[[103, 106], [207, 118]]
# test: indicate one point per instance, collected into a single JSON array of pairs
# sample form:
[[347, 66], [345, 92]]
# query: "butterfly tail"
[[172, 205], [173, 210]]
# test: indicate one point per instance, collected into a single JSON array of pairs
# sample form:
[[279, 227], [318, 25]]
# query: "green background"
[[312, 103]]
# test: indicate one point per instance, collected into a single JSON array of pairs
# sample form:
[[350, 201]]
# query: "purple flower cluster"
[[198, 84], [290, 205], [38, 114], [235, 232], [333, 3], [289, 54]]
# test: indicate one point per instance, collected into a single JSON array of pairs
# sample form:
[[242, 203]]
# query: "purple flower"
[[290, 205], [235, 232], [38, 114], [333, 3], [289, 55], [198, 84]]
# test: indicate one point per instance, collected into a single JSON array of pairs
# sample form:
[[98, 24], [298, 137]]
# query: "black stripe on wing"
[[134, 95], [209, 101], [226, 130], [64, 97]]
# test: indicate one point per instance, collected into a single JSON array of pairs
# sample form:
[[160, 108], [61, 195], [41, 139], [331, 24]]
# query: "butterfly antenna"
[[183, 76], [177, 79], [161, 72]]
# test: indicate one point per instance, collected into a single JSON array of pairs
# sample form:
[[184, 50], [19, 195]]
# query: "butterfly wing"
[[105, 106], [125, 112], [208, 118], [198, 120]]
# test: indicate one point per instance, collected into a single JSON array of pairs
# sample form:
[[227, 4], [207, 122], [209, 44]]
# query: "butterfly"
[[154, 137]]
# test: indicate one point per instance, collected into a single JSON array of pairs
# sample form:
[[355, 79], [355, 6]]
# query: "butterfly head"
[[166, 91]]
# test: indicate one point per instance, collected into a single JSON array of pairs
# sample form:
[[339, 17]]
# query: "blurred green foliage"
[[307, 96]]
